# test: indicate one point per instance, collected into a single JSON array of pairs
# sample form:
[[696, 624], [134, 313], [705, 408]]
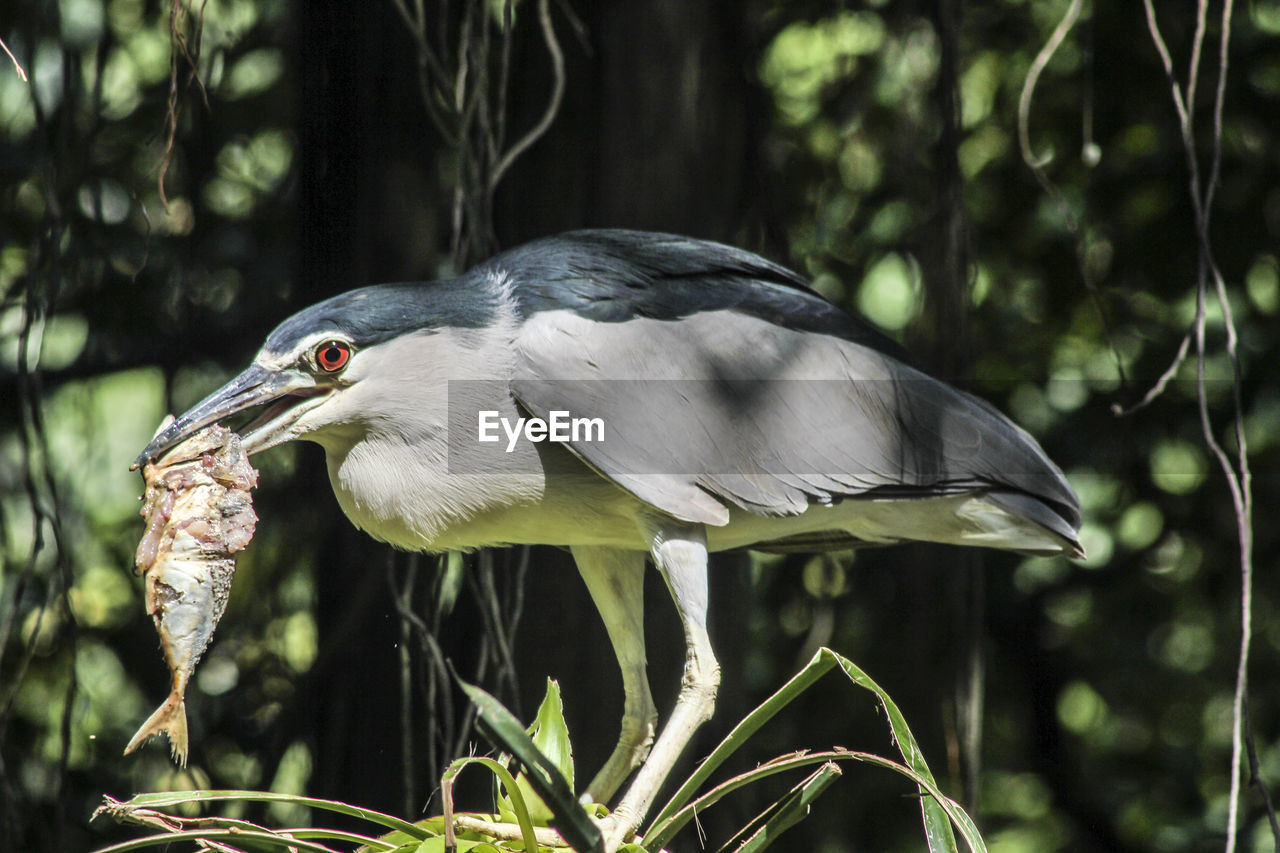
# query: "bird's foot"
[[616, 830]]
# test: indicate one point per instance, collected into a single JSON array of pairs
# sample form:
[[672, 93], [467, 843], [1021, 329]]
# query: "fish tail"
[[170, 718]]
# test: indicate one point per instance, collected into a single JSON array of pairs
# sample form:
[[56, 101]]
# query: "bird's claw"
[[616, 831]]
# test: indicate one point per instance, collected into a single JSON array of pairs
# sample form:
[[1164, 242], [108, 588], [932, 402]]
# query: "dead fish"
[[198, 513]]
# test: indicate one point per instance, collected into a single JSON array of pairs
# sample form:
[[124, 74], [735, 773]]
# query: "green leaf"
[[498, 725], [169, 799], [429, 827], [437, 845], [505, 778], [551, 734], [786, 813], [551, 737], [265, 840], [797, 760], [938, 812], [937, 823]]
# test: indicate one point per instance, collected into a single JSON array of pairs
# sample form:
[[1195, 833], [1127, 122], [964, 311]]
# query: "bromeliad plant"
[[536, 808]]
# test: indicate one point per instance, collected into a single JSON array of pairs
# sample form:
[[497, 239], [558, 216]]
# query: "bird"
[[723, 405]]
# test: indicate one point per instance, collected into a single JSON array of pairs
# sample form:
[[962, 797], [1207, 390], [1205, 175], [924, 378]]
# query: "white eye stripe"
[[303, 353]]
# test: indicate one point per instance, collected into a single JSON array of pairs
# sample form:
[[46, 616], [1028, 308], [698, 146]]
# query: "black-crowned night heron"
[[677, 396]]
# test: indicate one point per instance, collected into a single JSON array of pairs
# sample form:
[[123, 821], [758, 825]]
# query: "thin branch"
[[1024, 103], [436, 682], [1255, 778], [432, 76], [179, 46], [517, 587], [504, 79], [1036, 166], [16, 64], [553, 105], [1197, 45], [459, 106], [442, 15], [1185, 131], [464, 61], [416, 23], [403, 597], [1244, 533], [1219, 99], [1165, 378], [411, 22], [1242, 729], [482, 582], [1154, 28], [1238, 475]]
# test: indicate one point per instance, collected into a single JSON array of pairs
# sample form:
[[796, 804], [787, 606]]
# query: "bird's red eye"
[[332, 356]]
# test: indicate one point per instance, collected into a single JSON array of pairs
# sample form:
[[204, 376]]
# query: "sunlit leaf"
[[550, 736]]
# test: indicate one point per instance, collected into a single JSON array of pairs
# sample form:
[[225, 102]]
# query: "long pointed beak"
[[255, 386]]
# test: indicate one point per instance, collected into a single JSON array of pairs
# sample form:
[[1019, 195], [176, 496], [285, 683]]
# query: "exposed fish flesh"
[[198, 514]]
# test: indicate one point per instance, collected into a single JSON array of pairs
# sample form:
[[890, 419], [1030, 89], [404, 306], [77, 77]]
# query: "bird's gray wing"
[[720, 408]]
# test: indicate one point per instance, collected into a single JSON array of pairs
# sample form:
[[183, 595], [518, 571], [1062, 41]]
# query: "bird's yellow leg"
[[680, 553], [615, 579]]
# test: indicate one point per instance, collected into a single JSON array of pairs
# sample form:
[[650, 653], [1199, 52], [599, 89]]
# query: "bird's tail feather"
[[1044, 513]]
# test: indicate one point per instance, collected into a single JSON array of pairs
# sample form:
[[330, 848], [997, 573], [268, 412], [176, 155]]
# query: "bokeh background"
[[308, 147]]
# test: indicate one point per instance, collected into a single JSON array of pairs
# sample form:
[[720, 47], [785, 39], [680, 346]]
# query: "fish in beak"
[[199, 515]]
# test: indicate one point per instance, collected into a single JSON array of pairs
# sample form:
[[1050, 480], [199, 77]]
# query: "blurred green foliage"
[[1107, 710]]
